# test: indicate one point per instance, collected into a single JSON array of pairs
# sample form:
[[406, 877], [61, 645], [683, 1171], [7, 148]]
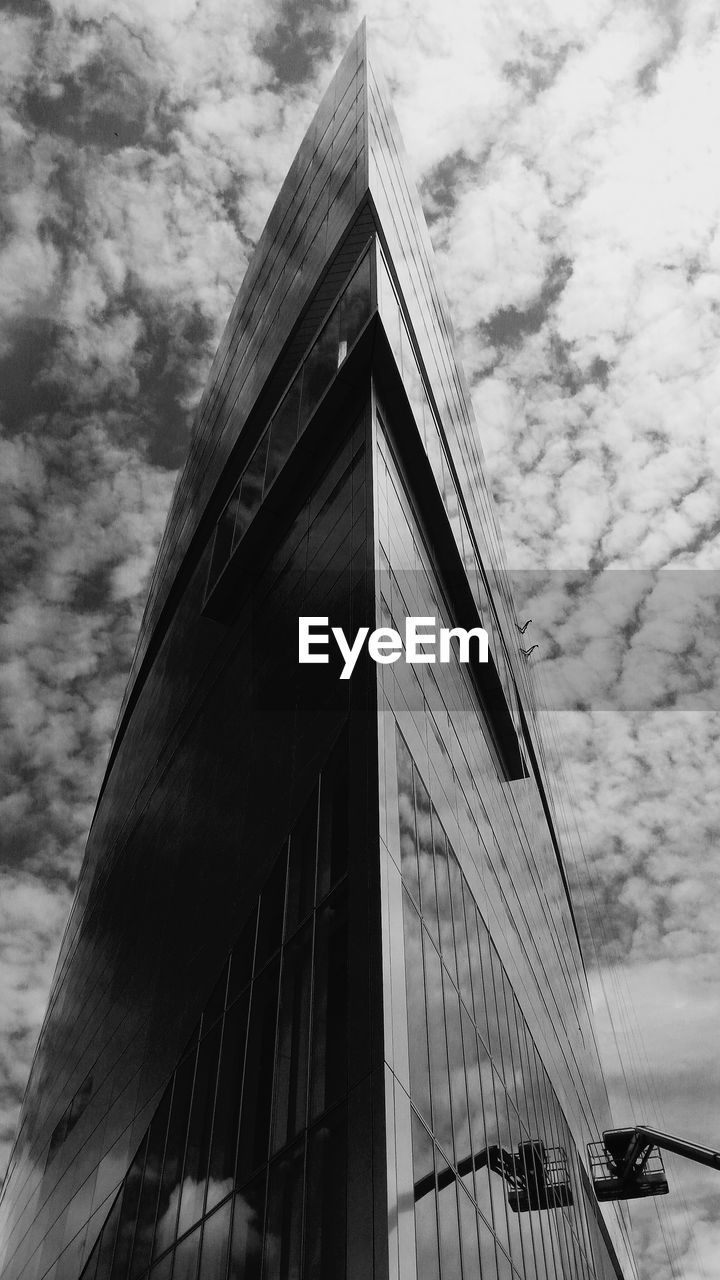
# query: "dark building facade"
[[320, 1009]]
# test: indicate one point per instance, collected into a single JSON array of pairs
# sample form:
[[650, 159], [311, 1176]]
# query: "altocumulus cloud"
[[567, 156]]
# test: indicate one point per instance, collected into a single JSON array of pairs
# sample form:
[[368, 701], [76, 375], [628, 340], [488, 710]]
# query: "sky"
[[567, 154]]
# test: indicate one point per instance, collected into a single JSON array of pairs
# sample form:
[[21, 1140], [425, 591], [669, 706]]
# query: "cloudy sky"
[[567, 153]]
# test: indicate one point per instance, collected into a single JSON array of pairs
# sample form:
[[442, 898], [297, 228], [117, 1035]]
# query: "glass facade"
[[246, 1155], [485, 1116], [320, 1009], [497, 1075], [327, 353]]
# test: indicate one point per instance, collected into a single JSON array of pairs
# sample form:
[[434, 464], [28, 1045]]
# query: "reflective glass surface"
[[497, 1167], [248, 1142], [490, 967], [297, 406]]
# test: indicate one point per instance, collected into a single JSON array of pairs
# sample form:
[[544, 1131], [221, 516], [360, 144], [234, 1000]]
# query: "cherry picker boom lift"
[[627, 1164]]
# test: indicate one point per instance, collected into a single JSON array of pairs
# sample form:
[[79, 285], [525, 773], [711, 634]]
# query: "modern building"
[[320, 1010]]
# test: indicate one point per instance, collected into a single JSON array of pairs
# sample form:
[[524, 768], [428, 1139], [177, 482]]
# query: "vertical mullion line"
[[251, 995], [311, 1020], [171, 1085], [363, 173], [218, 1071]]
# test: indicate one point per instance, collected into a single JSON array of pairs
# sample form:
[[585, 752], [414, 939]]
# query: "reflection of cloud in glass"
[[166, 1232], [425, 858], [247, 1236], [191, 1193], [460, 1108], [215, 1241], [440, 1084], [444, 909]]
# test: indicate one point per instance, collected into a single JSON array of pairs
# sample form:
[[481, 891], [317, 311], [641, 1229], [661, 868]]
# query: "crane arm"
[[641, 1138]]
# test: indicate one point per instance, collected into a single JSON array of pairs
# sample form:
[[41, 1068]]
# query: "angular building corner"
[[320, 1008]]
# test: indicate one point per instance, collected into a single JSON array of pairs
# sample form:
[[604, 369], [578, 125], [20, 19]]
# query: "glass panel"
[[504, 1270], [257, 1085], [291, 1070], [215, 1244], [423, 415], [440, 1084], [216, 1003], [485, 1015], [488, 1261], [536, 1129], [448, 1222], [426, 1227], [423, 1155], [283, 430], [329, 1017], [142, 1248], [560, 1217], [417, 1024], [389, 310], [128, 1214], [186, 1257], [498, 1007], [283, 1230], [493, 1138], [79, 1103], [527, 1101], [413, 383], [448, 489], [241, 960], [406, 806], [458, 1092], [251, 489], [506, 1137], [90, 1269], [469, 1236], [517, 1085], [428, 899], [520, 1225], [223, 543], [320, 367], [197, 1153], [405, 351], [227, 1102], [107, 1240], [162, 1270], [532, 1235], [333, 821], [442, 882], [477, 1006], [326, 1208], [434, 449], [384, 287], [301, 875], [355, 305], [461, 938], [247, 1233], [476, 1118], [272, 904], [411, 375]]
